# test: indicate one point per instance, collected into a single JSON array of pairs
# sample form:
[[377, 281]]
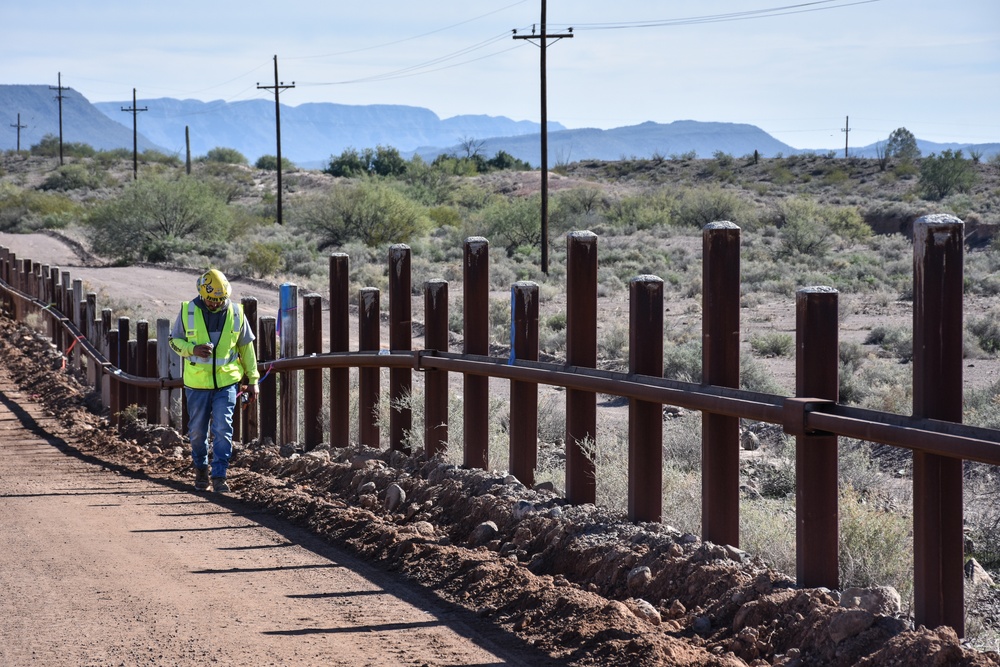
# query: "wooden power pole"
[[19, 128], [277, 88], [134, 109], [847, 133], [59, 96], [543, 38]]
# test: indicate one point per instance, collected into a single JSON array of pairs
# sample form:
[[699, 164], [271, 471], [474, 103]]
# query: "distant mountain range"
[[311, 133]]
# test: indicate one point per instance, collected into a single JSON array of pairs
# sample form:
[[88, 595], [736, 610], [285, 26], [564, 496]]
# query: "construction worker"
[[215, 343]]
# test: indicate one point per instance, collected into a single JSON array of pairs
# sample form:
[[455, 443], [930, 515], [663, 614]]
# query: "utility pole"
[[277, 87], [19, 128], [135, 135], [59, 97], [847, 133], [543, 38]]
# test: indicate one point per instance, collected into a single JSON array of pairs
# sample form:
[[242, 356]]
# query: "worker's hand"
[[204, 350], [251, 391]]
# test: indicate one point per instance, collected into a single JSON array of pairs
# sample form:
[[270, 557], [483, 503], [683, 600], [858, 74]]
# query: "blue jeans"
[[213, 406]]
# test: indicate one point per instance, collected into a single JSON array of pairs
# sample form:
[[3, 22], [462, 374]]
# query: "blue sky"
[[794, 69]]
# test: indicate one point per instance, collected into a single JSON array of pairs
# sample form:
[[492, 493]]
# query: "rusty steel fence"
[[144, 373]]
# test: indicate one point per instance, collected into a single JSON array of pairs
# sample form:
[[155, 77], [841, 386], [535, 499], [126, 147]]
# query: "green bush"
[[987, 331], [270, 163], [26, 210], [48, 146], [512, 223], [700, 206], [774, 344], [942, 175], [225, 156], [75, 177], [157, 217], [265, 259], [370, 211]]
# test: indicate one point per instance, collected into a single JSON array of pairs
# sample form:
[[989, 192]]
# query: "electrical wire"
[[769, 12]]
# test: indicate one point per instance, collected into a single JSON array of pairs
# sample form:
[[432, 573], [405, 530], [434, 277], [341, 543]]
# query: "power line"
[[802, 8]]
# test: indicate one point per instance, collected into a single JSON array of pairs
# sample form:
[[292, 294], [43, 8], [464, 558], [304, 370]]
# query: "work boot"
[[219, 485], [200, 479]]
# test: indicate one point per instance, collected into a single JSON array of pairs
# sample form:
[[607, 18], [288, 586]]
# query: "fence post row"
[[937, 385]]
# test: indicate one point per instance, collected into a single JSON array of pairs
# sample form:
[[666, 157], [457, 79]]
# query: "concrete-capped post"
[[400, 339], [720, 439], [817, 366], [645, 419], [938, 544], [476, 327], [524, 309], [581, 350], [435, 381]]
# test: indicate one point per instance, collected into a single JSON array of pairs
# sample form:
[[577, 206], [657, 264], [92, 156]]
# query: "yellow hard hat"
[[213, 285]]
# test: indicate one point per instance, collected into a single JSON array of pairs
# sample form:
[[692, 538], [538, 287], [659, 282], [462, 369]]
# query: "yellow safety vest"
[[223, 368]]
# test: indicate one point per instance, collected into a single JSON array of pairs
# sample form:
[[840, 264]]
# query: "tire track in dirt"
[[100, 566]]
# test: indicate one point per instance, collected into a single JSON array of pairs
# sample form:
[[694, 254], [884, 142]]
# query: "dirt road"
[[104, 567]]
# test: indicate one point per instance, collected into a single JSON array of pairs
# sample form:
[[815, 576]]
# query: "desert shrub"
[[987, 331], [24, 210], [802, 227], [644, 211], [445, 216], [754, 376], [773, 344], [48, 146], [876, 548], [895, 341], [682, 361], [108, 158], [700, 206], [941, 175], [225, 156], [513, 222], [270, 163], [75, 177], [264, 259], [765, 525], [156, 217], [151, 156], [370, 211]]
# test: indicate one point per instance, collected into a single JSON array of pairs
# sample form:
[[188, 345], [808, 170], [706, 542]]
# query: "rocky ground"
[[576, 582]]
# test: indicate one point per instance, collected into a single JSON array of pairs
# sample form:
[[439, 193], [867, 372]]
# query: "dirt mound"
[[578, 582]]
